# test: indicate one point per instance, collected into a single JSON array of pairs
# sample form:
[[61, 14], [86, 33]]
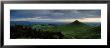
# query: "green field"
[[81, 31]]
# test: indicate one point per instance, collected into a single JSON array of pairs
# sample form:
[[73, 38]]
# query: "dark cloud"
[[55, 14]]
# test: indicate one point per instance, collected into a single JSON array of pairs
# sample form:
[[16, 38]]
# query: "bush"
[[19, 31]]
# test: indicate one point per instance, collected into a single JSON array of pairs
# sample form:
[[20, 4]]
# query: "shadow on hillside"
[[20, 31]]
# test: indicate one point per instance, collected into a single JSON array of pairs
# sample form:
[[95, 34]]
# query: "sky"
[[56, 15]]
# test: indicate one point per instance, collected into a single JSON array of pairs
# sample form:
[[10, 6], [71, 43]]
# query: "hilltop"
[[78, 23]]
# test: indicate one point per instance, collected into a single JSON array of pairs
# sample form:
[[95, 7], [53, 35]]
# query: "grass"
[[74, 31]]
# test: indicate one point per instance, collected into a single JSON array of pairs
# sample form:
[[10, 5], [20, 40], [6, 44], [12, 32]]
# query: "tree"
[[76, 22]]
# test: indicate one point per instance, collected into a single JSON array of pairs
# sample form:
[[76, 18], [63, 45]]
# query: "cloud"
[[57, 20], [32, 15]]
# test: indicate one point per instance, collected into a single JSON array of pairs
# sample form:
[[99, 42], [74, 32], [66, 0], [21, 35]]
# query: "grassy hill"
[[78, 30], [74, 30]]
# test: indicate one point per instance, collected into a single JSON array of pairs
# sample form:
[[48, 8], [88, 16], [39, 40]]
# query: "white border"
[[8, 41]]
